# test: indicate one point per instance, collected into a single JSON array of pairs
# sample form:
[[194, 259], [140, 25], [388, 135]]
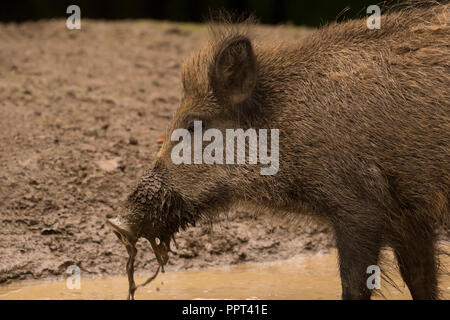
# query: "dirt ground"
[[81, 112]]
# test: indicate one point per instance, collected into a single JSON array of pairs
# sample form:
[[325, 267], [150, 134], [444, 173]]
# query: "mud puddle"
[[300, 278]]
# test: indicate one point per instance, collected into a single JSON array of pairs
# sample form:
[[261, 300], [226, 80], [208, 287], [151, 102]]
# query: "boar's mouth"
[[160, 245], [129, 237], [123, 231], [161, 249], [155, 212]]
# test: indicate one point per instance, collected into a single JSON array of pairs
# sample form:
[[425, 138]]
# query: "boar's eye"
[[190, 127], [191, 124]]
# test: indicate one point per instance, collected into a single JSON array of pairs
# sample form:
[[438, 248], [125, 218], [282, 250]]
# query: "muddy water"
[[300, 278]]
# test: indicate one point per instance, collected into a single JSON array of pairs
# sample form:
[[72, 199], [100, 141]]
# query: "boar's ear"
[[233, 70]]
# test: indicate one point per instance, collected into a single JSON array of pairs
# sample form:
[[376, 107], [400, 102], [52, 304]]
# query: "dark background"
[[305, 12]]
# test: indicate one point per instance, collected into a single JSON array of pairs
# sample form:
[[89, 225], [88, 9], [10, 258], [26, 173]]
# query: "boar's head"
[[219, 89]]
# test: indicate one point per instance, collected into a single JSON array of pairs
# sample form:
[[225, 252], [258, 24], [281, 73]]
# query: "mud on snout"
[[129, 235]]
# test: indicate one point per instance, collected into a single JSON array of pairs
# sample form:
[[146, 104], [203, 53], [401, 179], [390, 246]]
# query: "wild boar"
[[363, 121]]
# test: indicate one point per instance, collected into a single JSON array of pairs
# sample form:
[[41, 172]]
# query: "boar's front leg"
[[358, 243], [415, 250]]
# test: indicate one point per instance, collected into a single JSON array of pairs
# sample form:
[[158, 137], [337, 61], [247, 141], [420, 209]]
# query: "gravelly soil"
[[81, 112]]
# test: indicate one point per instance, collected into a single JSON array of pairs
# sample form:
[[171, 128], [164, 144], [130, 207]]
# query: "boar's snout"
[[152, 211], [129, 236]]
